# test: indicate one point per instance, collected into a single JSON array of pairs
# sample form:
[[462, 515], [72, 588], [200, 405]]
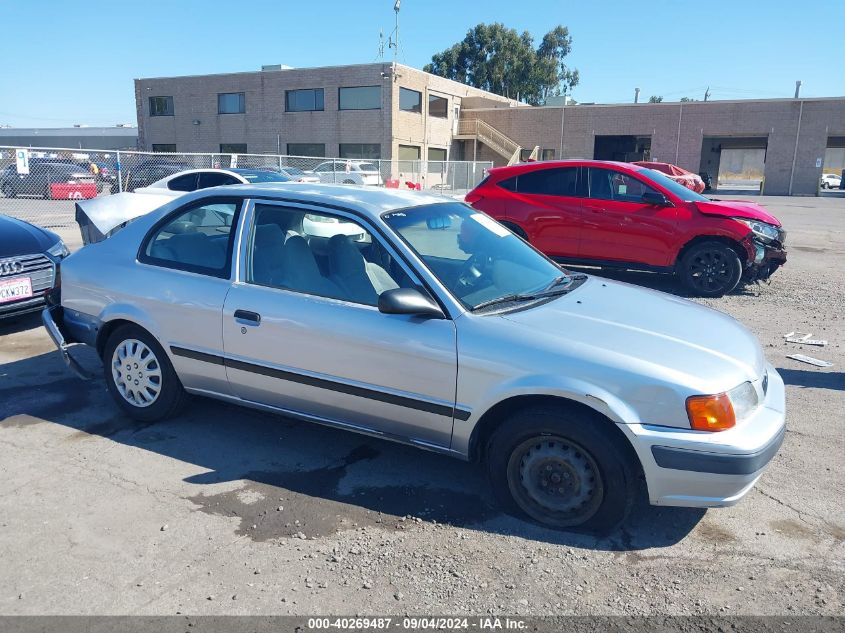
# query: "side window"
[[320, 254], [607, 184], [215, 179], [509, 184], [198, 239], [561, 181], [188, 182]]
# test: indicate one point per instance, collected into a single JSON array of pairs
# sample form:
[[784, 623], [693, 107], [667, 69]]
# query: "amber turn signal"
[[711, 413]]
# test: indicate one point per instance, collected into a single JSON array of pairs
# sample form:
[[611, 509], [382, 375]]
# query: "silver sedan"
[[433, 325]]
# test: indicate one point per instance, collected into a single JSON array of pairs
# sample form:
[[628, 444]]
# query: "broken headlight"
[[766, 233]]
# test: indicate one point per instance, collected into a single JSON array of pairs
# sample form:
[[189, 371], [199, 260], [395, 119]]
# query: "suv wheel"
[[140, 377], [710, 269], [560, 468]]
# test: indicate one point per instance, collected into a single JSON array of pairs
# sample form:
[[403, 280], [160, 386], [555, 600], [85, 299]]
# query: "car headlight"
[[59, 250], [766, 232], [721, 411]]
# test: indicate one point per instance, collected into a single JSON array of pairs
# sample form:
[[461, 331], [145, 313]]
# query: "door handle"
[[246, 315]]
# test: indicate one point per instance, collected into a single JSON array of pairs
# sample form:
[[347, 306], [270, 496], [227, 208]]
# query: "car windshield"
[[477, 259], [261, 175], [687, 195]]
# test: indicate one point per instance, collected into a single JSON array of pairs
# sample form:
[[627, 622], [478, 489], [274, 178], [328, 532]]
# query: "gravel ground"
[[228, 511]]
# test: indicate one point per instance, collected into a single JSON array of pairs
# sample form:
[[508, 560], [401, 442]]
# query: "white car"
[[193, 179], [298, 175], [831, 181], [348, 172]]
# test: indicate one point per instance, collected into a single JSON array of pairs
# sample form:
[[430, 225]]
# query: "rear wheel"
[[710, 269], [140, 377], [562, 468]]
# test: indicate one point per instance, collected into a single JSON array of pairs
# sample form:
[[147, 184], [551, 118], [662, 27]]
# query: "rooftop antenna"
[[393, 40], [636, 95], [380, 55], [797, 84], [707, 93]]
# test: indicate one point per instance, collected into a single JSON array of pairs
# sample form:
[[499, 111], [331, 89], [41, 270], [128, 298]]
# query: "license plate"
[[15, 289]]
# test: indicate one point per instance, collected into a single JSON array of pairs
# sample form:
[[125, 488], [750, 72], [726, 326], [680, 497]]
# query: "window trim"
[[248, 238], [341, 109], [242, 102], [226, 271], [172, 103], [323, 90]]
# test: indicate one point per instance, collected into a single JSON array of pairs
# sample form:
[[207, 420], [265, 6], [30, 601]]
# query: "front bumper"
[[763, 260], [53, 323], [703, 470]]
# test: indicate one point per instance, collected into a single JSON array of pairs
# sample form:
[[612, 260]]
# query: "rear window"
[[557, 181], [263, 176]]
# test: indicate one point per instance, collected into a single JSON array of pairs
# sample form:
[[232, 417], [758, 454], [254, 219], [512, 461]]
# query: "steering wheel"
[[474, 271]]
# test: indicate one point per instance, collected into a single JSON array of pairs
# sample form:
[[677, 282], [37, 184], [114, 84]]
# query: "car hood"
[[737, 209], [648, 332], [21, 238]]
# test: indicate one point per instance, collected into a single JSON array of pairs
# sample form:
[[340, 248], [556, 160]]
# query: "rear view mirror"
[[439, 222], [655, 198], [409, 301]]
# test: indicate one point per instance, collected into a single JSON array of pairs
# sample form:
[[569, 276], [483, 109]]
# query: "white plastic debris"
[[810, 360]]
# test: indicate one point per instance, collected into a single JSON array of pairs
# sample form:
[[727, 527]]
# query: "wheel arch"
[[732, 243], [116, 318], [498, 413]]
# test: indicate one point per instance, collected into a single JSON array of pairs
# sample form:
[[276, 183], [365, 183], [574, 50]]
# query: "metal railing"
[[60, 176], [491, 137]]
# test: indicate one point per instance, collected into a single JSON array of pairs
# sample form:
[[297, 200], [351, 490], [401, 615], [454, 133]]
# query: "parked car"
[[146, 173], [830, 181], [619, 215], [571, 388], [181, 182], [297, 175], [29, 262], [41, 178], [691, 181], [348, 172]]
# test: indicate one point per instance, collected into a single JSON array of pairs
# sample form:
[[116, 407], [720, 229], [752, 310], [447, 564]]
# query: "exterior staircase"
[[478, 130]]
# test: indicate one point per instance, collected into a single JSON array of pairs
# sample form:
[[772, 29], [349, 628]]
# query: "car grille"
[[38, 268]]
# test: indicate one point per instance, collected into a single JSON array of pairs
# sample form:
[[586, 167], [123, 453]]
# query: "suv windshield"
[[478, 260], [687, 195]]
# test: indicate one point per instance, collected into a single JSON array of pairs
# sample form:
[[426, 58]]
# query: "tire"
[[9, 192], [710, 269], [540, 447], [164, 397], [516, 230], [348, 182], [824, 185]]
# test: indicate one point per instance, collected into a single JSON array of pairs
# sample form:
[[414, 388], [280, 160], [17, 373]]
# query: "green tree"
[[687, 99], [655, 99], [500, 60]]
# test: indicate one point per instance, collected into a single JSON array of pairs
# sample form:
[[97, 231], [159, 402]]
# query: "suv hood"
[[656, 335], [737, 209]]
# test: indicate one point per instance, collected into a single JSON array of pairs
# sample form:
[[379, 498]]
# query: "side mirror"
[[409, 301], [657, 199]]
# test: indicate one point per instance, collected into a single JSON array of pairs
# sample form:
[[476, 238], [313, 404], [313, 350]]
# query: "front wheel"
[[710, 269], [140, 377], [563, 468]]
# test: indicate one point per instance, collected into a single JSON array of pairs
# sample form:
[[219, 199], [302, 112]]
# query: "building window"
[[164, 147], [410, 100], [409, 152], [524, 155], [233, 148], [307, 149], [161, 106], [438, 107], [548, 154], [231, 103], [436, 153], [359, 98], [307, 100], [360, 150], [436, 160]]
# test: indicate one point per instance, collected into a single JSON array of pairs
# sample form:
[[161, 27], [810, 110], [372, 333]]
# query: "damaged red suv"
[[620, 215]]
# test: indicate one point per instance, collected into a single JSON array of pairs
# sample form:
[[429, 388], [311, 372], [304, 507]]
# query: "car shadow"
[[22, 323], [814, 378], [308, 480], [656, 281]]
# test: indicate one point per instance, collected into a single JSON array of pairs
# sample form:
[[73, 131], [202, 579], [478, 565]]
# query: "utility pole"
[[707, 93], [636, 95]]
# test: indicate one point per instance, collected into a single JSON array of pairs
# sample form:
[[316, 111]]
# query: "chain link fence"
[[59, 176]]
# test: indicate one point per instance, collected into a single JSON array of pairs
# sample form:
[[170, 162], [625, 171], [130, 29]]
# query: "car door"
[[302, 332], [548, 205], [183, 276], [619, 226]]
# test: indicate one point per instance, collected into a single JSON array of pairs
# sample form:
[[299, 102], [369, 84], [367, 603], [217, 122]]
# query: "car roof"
[[572, 162], [371, 201]]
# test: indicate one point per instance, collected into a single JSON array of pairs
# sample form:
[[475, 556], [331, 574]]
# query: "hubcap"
[[556, 480], [710, 271], [136, 373]]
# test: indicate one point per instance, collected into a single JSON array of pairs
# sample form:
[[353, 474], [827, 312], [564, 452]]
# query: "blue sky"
[[77, 65]]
